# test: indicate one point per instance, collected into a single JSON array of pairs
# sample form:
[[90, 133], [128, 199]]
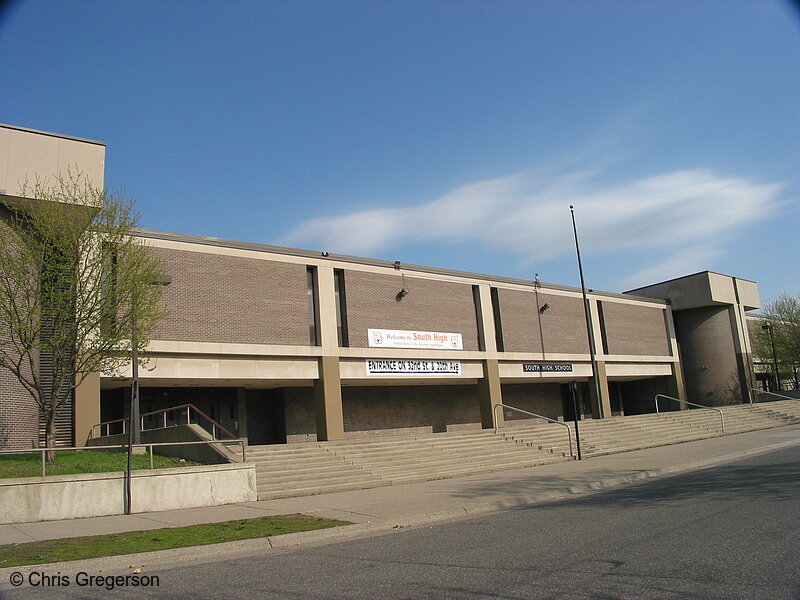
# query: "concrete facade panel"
[[26, 156], [747, 292], [638, 369]]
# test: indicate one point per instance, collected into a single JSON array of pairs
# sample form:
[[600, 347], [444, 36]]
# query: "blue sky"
[[447, 133]]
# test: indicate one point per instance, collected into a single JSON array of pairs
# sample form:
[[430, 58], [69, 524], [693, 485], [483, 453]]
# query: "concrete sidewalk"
[[385, 509]]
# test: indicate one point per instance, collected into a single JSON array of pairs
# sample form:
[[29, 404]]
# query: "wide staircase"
[[623, 434], [316, 468]]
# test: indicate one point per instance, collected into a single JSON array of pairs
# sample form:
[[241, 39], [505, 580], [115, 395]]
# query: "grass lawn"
[[70, 462], [34, 553]]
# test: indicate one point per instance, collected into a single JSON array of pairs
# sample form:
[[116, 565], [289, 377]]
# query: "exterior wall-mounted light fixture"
[[403, 290]]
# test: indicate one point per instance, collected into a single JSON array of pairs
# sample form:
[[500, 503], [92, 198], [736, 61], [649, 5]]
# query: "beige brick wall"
[[374, 412], [540, 398], [563, 327], [19, 415], [708, 354], [299, 411], [636, 330], [429, 306], [215, 298], [387, 411]]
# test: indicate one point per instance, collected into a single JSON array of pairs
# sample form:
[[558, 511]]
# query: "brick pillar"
[[490, 394], [328, 400]]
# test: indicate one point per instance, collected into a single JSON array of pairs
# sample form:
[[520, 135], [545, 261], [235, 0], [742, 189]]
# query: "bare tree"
[[76, 288]]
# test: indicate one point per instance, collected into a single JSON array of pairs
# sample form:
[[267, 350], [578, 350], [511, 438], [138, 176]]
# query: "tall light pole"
[[589, 328], [573, 388], [134, 436], [134, 433], [768, 329]]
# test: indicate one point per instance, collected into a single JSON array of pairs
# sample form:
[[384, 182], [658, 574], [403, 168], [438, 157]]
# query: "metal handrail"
[[721, 416], [774, 394], [163, 412], [569, 431], [240, 441]]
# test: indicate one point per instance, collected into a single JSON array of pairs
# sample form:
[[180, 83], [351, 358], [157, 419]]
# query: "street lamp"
[[134, 427], [768, 328], [589, 329], [573, 388]]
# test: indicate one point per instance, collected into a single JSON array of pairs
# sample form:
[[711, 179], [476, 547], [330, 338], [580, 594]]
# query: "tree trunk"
[[50, 436]]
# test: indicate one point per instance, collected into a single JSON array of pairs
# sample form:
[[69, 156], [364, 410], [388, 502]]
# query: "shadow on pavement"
[[779, 480]]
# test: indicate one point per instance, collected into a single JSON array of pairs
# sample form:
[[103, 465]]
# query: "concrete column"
[[326, 291], [675, 386], [241, 412], [487, 317], [601, 408], [597, 329], [744, 357], [87, 408], [328, 400], [490, 394]]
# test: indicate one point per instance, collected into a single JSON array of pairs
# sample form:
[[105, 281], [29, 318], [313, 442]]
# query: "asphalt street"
[[730, 531]]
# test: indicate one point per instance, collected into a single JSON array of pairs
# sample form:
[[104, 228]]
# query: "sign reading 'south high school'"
[[435, 340], [546, 367], [413, 367]]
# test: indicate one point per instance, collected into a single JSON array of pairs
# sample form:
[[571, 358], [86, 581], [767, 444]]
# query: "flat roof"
[[51, 134], [686, 277], [258, 247]]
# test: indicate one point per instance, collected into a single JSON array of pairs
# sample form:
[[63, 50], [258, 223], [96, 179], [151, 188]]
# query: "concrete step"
[[296, 491], [317, 480], [311, 467], [267, 470]]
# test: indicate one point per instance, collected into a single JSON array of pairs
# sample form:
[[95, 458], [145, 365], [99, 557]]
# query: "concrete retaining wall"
[[205, 453], [98, 494]]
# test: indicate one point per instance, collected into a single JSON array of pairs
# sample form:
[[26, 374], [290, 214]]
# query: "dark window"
[[476, 298], [603, 335], [498, 325], [341, 308], [313, 306], [108, 285]]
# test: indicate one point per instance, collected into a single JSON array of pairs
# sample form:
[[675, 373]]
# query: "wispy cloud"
[[682, 262], [687, 215]]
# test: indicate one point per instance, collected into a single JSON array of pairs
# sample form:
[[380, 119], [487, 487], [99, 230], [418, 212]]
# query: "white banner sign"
[[392, 338], [413, 367]]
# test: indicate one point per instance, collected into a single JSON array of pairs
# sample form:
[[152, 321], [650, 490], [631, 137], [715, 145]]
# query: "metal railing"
[[160, 416], [241, 442], [774, 394], [569, 431], [721, 416]]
